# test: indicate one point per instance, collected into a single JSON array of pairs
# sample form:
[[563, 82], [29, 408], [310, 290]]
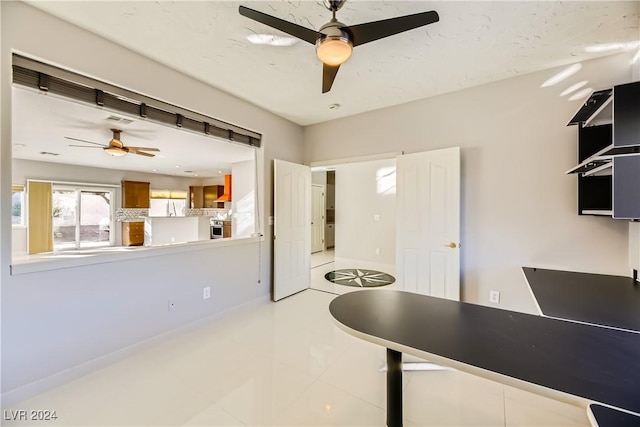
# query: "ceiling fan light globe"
[[334, 51], [114, 151]]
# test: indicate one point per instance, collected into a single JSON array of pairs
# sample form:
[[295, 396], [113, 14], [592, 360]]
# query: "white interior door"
[[317, 218], [428, 223], [292, 229]]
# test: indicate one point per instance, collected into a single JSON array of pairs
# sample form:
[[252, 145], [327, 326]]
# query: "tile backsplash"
[[131, 214], [137, 214]]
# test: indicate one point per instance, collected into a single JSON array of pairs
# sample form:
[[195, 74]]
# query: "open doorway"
[[417, 229], [359, 226], [322, 216]]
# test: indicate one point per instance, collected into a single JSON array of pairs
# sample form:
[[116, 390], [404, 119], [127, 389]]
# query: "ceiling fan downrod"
[[334, 5]]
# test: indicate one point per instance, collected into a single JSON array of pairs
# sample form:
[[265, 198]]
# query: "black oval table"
[[569, 361]]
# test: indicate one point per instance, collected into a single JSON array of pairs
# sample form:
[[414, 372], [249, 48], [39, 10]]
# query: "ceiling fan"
[[335, 40], [115, 146]]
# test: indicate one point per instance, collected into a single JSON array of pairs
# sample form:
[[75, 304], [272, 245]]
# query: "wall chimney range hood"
[[226, 196]]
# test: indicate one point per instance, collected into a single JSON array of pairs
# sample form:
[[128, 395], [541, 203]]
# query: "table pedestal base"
[[394, 388]]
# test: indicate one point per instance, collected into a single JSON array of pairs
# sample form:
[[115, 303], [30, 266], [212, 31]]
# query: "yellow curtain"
[[40, 224]]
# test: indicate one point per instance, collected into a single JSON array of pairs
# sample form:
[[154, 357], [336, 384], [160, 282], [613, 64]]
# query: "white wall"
[[243, 198], [55, 320], [518, 206], [319, 178], [364, 190]]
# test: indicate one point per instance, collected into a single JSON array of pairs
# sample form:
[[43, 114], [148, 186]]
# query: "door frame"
[[323, 216], [357, 159]]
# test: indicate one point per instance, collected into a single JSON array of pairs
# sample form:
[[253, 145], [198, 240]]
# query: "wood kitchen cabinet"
[[133, 233], [205, 197], [135, 194], [196, 197], [226, 228], [211, 194]]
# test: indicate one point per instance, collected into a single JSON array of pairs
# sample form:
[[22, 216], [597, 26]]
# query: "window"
[[82, 217], [167, 202], [17, 205]]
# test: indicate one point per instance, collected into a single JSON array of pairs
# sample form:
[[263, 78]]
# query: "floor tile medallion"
[[359, 277]]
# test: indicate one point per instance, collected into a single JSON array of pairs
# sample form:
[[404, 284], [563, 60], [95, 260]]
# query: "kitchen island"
[[175, 229]]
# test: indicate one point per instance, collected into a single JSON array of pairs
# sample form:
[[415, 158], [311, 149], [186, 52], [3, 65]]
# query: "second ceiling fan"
[[335, 40], [115, 146]]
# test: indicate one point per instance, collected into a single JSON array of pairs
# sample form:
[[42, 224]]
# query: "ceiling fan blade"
[[328, 75], [142, 148], [83, 146], [290, 28], [84, 140], [371, 31], [141, 153]]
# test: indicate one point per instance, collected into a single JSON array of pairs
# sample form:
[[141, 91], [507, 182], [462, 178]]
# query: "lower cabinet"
[[133, 233], [329, 236], [226, 228]]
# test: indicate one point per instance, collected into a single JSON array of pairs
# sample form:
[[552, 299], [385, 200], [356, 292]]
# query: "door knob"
[[451, 245]]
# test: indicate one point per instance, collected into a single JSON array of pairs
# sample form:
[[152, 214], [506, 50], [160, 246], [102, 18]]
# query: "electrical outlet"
[[206, 292], [172, 306], [494, 297]]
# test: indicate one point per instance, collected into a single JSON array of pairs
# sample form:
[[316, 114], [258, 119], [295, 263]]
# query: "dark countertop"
[[607, 417], [598, 364], [599, 299]]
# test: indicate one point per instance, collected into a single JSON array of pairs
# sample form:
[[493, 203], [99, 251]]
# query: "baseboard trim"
[[34, 388]]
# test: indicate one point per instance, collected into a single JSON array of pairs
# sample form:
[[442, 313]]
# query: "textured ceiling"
[[474, 43]]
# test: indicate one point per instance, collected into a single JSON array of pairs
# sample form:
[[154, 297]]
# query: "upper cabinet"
[[196, 197], [135, 194], [211, 195], [608, 153]]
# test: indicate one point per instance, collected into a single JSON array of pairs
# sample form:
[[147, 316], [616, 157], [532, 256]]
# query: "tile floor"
[[283, 364]]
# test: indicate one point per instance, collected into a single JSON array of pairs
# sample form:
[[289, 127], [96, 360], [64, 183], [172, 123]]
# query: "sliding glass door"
[[82, 217]]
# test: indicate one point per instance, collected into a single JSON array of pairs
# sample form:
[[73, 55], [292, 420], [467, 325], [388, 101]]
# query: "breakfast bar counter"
[[565, 360]]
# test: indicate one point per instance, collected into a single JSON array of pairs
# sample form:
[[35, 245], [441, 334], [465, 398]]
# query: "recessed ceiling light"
[[272, 40], [48, 153], [178, 166], [155, 170], [334, 106], [188, 171], [219, 171]]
